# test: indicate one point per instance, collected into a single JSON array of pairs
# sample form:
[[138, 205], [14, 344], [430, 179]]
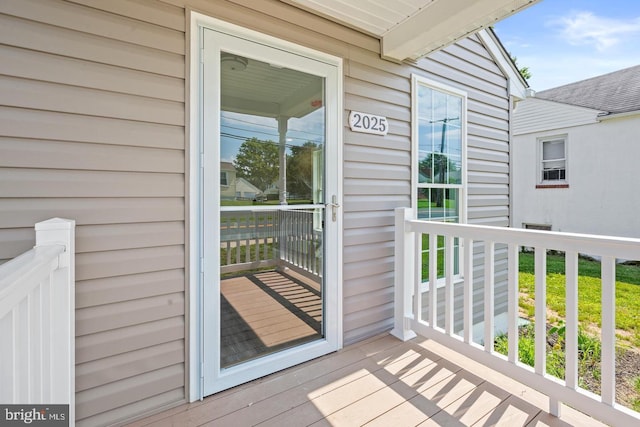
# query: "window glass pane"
[[272, 152], [425, 151], [553, 150], [439, 137], [553, 164], [438, 204], [439, 108], [454, 170]]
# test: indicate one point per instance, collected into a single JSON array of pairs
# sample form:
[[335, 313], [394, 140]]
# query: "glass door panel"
[[271, 228]]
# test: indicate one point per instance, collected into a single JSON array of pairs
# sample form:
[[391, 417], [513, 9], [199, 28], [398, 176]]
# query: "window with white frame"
[[438, 161], [553, 160]]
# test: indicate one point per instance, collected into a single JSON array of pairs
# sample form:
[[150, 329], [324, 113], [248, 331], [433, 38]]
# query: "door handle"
[[334, 207]]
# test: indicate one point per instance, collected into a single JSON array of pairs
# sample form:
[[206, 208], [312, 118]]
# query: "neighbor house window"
[[553, 160], [223, 179], [439, 143]]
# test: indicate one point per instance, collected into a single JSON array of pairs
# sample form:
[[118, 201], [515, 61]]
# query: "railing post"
[[62, 322], [404, 275]]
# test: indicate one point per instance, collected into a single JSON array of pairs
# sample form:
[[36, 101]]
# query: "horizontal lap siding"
[[92, 127]]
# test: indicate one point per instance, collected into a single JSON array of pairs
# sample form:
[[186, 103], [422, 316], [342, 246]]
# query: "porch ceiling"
[[410, 29]]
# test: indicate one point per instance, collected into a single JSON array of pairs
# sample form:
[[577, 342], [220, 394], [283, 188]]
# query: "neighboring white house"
[[575, 153]]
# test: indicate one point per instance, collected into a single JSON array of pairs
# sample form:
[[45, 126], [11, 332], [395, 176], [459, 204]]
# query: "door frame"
[[195, 161]]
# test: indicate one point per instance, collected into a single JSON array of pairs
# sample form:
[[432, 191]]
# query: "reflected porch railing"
[[274, 238]]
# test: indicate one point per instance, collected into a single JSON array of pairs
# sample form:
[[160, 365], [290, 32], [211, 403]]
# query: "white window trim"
[[540, 142], [417, 80]]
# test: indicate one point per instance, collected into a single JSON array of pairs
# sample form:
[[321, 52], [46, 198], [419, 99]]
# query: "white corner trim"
[[517, 88]]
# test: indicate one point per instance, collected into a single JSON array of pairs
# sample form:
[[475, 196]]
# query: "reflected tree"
[[300, 169], [437, 168], [257, 162]]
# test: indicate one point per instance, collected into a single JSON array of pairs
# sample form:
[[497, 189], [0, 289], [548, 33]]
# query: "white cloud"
[[586, 28]]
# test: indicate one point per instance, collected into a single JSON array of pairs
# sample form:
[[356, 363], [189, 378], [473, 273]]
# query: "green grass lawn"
[[589, 293]]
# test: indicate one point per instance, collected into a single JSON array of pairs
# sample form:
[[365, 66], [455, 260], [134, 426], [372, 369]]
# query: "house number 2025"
[[368, 123]]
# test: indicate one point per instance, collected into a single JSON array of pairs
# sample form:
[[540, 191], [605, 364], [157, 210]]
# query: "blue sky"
[[564, 41]]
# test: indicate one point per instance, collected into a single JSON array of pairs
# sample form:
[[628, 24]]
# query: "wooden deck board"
[[266, 312], [378, 382]]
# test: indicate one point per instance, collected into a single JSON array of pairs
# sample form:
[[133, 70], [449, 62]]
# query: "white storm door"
[[270, 225]]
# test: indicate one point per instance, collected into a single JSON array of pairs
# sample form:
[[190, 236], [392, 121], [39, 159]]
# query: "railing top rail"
[[270, 208], [31, 264], [619, 247]]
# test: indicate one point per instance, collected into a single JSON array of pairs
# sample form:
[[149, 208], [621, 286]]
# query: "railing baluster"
[[281, 233], [305, 241], [512, 302], [468, 291], [247, 251], [433, 280], [489, 302], [265, 235], [35, 350], [293, 255], [416, 277], [448, 287], [571, 322], [6, 355], [21, 332], [46, 341], [299, 238], [256, 234], [308, 240], [608, 367], [541, 310], [315, 246], [238, 241]]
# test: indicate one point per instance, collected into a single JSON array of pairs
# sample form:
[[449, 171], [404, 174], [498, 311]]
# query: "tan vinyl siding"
[[92, 127], [92, 121]]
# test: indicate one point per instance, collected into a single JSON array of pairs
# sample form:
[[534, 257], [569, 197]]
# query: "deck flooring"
[[378, 382], [266, 312]]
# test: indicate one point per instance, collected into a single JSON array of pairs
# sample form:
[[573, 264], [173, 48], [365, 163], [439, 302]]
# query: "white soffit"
[[410, 29]]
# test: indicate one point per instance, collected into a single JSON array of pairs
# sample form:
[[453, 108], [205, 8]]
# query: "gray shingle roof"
[[617, 92]]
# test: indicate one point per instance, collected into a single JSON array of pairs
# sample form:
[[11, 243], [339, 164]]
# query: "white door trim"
[[333, 151]]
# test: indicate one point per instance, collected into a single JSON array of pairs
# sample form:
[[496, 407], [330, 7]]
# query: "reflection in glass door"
[[272, 139], [269, 252]]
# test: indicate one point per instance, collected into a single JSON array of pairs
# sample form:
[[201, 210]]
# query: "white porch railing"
[[259, 238], [482, 240], [37, 348]]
